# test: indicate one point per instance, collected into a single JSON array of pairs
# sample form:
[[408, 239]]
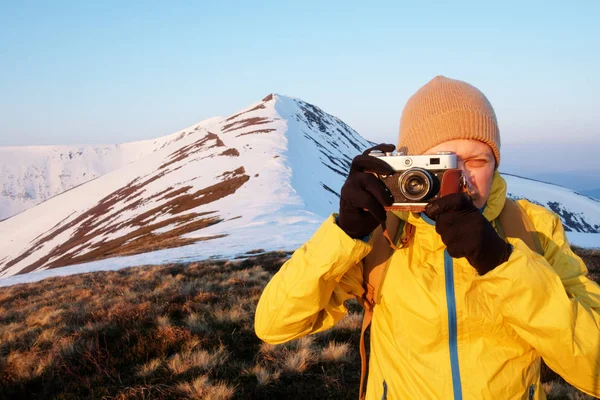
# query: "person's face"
[[477, 162]]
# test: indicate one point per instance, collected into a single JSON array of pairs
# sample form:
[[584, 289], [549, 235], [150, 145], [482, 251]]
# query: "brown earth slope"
[[173, 332]]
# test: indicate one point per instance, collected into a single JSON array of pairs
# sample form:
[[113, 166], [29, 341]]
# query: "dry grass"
[[263, 375], [187, 359], [352, 321], [150, 368], [26, 365], [235, 314], [202, 388], [562, 391], [173, 332], [336, 352], [196, 323]]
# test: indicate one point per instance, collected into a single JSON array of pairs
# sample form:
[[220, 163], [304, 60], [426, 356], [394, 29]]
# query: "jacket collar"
[[496, 199]]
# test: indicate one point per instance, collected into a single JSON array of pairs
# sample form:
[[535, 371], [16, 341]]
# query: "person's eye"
[[476, 162]]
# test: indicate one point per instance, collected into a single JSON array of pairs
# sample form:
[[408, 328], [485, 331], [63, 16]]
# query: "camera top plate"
[[440, 161]]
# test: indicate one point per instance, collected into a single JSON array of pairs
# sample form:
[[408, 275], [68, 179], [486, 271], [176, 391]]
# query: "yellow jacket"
[[441, 331]]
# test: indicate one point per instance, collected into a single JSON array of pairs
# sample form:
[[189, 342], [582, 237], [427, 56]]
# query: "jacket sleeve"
[[307, 295], [551, 304]]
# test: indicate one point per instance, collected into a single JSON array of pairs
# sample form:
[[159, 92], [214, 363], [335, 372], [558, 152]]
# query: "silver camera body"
[[417, 179]]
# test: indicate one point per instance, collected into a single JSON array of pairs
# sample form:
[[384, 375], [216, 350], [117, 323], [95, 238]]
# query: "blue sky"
[[113, 71]]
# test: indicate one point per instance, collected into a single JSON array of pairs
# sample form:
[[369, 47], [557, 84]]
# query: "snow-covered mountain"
[[275, 166], [263, 178], [578, 212], [30, 175]]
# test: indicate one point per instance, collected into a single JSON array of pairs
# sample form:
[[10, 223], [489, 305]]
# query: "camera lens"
[[415, 184]]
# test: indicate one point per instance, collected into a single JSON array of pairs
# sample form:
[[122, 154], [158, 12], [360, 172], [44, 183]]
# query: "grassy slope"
[[175, 331]]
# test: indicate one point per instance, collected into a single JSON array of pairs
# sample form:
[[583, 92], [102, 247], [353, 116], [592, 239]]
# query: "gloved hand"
[[363, 195], [466, 232]]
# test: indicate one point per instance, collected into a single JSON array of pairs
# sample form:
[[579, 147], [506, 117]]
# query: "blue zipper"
[[531, 392], [452, 325]]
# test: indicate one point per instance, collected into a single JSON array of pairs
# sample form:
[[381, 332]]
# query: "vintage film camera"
[[418, 179]]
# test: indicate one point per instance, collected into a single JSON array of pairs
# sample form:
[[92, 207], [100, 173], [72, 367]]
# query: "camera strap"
[[514, 222], [386, 235]]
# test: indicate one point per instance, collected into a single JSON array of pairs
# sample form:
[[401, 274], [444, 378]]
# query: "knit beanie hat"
[[447, 109]]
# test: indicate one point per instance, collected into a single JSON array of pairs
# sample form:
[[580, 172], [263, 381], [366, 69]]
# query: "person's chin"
[[477, 201]]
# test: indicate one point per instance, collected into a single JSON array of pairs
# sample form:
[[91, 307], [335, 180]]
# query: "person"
[[463, 313]]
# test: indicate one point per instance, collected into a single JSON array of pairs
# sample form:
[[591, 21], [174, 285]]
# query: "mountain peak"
[[268, 97]]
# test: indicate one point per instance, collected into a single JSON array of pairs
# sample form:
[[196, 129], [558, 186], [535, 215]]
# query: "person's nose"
[[461, 165]]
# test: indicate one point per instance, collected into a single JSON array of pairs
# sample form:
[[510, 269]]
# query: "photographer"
[[463, 312]]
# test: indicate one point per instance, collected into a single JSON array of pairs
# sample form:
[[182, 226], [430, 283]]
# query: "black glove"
[[363, 195], [466, 232]]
